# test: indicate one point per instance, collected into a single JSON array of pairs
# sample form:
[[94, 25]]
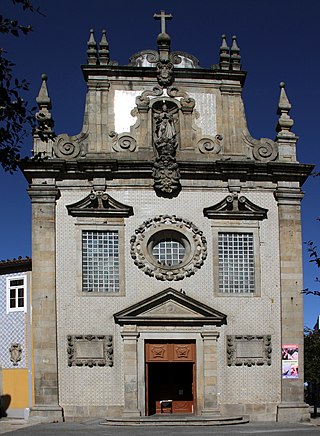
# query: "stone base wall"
[[74, 413], [293, 412], [46, 413], [255, 412]]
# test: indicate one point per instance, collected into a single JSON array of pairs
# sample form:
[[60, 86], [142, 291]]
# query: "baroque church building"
[[167, 269]]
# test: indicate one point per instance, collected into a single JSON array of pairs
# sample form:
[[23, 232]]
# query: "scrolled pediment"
[[170, 307], [100, 204], [235, 207]]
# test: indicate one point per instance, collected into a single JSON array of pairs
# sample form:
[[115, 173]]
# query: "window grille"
[[236, 263], [169, 252], [100, 261]]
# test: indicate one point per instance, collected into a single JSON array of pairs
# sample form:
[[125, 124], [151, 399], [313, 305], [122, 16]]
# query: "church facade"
[[167, 268]]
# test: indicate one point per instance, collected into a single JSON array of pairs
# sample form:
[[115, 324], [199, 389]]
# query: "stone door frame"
[[169, 347], [205, 363]]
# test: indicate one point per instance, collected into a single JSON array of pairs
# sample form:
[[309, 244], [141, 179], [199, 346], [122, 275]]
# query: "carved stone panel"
[[90, 350], [15, 353], [249, 350]]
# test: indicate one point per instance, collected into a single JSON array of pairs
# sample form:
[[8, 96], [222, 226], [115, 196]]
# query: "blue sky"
[[279, 41]]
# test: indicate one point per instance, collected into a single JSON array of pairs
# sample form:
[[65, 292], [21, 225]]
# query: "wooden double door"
[[170, 377]]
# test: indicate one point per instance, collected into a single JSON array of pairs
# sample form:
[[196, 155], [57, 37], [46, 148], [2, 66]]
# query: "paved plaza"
[[94, 427]]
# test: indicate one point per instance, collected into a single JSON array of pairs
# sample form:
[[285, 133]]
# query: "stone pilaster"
[[210, 404], [96, 115], [292, 407], [130, 369], [44, 326]]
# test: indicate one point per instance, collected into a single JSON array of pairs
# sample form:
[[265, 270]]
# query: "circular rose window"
[[168, 248]]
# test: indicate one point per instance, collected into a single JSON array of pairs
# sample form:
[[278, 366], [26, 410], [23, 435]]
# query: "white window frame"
[[237, 227], [25, 290]]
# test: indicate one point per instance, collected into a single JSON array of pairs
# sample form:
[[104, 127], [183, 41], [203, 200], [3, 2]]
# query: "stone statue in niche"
[[165, 131], [166, 170]]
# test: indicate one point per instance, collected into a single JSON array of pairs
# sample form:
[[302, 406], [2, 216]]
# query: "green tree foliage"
[[314, 258], [16, 119], [312, 363]]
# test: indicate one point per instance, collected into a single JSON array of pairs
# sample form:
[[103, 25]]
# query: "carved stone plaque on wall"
[[249, 350], [90, 350]]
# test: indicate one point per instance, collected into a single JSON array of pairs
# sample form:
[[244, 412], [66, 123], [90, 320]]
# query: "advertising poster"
[[290, 367]]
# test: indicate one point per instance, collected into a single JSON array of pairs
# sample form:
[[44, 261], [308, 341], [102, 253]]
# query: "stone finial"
[[235, 55], [92, 54], [224, 54], [104, 52], [44, 116], [285, 122]]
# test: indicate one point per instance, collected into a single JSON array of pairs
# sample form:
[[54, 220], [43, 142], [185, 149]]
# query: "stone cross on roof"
[[163, 16]]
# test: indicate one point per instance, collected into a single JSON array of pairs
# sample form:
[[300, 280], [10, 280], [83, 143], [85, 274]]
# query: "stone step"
[[176, 420]]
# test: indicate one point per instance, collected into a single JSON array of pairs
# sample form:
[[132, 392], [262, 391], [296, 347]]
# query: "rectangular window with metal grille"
[[100, 261], [236, 263]]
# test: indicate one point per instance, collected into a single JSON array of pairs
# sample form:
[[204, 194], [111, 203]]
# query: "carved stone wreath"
[[181, 230]]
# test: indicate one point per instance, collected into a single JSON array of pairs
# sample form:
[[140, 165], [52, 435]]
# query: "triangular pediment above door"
[[170, 307]]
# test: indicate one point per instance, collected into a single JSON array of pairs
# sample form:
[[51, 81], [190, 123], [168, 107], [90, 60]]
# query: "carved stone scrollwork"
[[187, 103], [249, 350], [143, 100], [124, 142], [184, 232], [90, 350], [209, 145], [144, 58], [15, 353], [68, 147], [264, 149]]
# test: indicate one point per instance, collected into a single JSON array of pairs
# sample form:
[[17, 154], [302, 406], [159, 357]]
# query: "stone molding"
[[43, 193], [143, 259], [249, 350], [288, 196], [100, 204], [90, 350], [160, 310], [235, 207]]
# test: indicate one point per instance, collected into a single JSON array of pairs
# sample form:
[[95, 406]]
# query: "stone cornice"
[[43, 193], [87, 168], [286, 196], [109, 71]]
